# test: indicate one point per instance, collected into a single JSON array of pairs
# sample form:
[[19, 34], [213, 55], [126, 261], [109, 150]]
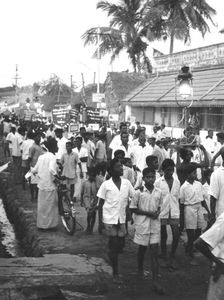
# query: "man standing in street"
[[116, 142]]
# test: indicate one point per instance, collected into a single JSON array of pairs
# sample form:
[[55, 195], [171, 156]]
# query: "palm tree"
[[182, 15], [126, 31]]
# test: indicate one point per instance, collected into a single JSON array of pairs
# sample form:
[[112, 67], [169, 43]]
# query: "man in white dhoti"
[[47, 203]]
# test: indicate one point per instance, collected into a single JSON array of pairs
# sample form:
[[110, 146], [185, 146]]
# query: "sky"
[[43, 37]]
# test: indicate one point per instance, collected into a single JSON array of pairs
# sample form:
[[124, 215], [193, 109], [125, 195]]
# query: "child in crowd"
[[137, 175], [69, 161], [89, 198], [146, 205], [101, 169], [170, 212], [113, 196], [5, 145], [206, 185], [101, 153], [153, 162], [191, 198], [128, 173]]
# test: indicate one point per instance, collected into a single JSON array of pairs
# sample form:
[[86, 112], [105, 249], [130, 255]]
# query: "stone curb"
[[22, 220]]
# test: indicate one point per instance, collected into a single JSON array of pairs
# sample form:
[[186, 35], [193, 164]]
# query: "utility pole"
[[98, 59], [83, 90], [16, 83]]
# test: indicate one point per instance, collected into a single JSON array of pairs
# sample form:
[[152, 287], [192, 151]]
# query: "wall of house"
[[170, 116], [211, 118]]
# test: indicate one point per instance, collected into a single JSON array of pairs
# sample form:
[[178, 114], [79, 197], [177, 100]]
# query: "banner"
[[93, 115]]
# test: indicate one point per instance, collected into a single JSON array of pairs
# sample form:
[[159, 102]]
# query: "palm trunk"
[[138, 63]]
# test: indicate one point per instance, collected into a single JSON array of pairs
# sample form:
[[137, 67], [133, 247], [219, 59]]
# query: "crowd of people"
[[127, 177]]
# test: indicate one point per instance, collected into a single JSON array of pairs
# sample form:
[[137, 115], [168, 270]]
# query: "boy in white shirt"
[[191, 197], [114, 195], [170, 211], [146, 206]]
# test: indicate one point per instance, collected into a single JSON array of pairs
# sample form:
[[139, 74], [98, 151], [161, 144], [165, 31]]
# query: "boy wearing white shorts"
[[191, 197], [146, 206]]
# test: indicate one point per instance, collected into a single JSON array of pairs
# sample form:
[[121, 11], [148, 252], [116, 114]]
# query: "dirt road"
[[187, 283]]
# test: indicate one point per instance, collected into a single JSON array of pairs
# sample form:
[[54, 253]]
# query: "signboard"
[[94, 127], [200, 57], [101, 105], [74, 114], [60, 116], [93, 115], [74, 128], [113, 117], [104, 113], [98, 97]]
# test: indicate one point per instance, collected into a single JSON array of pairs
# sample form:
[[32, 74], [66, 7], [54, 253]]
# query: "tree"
[[54, 91], [180, 16], [129, 25]]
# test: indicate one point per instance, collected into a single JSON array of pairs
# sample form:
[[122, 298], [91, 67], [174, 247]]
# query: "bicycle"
[[66, 208]]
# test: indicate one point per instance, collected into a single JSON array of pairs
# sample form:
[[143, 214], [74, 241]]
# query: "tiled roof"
[[160, 90]]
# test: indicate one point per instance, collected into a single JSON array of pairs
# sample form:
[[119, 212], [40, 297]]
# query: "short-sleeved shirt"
[[116, 200], [217, 189], [139, 155], [101, 150], [9, 139], [170, 203], [69, 163], [116, 142], [25, 148], [34, 152], [16, 140], [191, 194], [83, 152], [61, 147], [150, 202]]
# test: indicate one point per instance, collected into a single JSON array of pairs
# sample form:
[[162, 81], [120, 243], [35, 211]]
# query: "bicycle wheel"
[[66, 215]]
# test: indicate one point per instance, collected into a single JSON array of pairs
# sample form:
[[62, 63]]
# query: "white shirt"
[[50, 133], [149, 202], [218, 161], [210, 146], [116, 201], [217, 189], [83, 152], [170, 203], [214, 237], [25, 148], [126, 151], [191, 194], [91, 148], [116, 142], [139, 155], [46, 168], [61, 147], [16, 140], [9, 138]]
